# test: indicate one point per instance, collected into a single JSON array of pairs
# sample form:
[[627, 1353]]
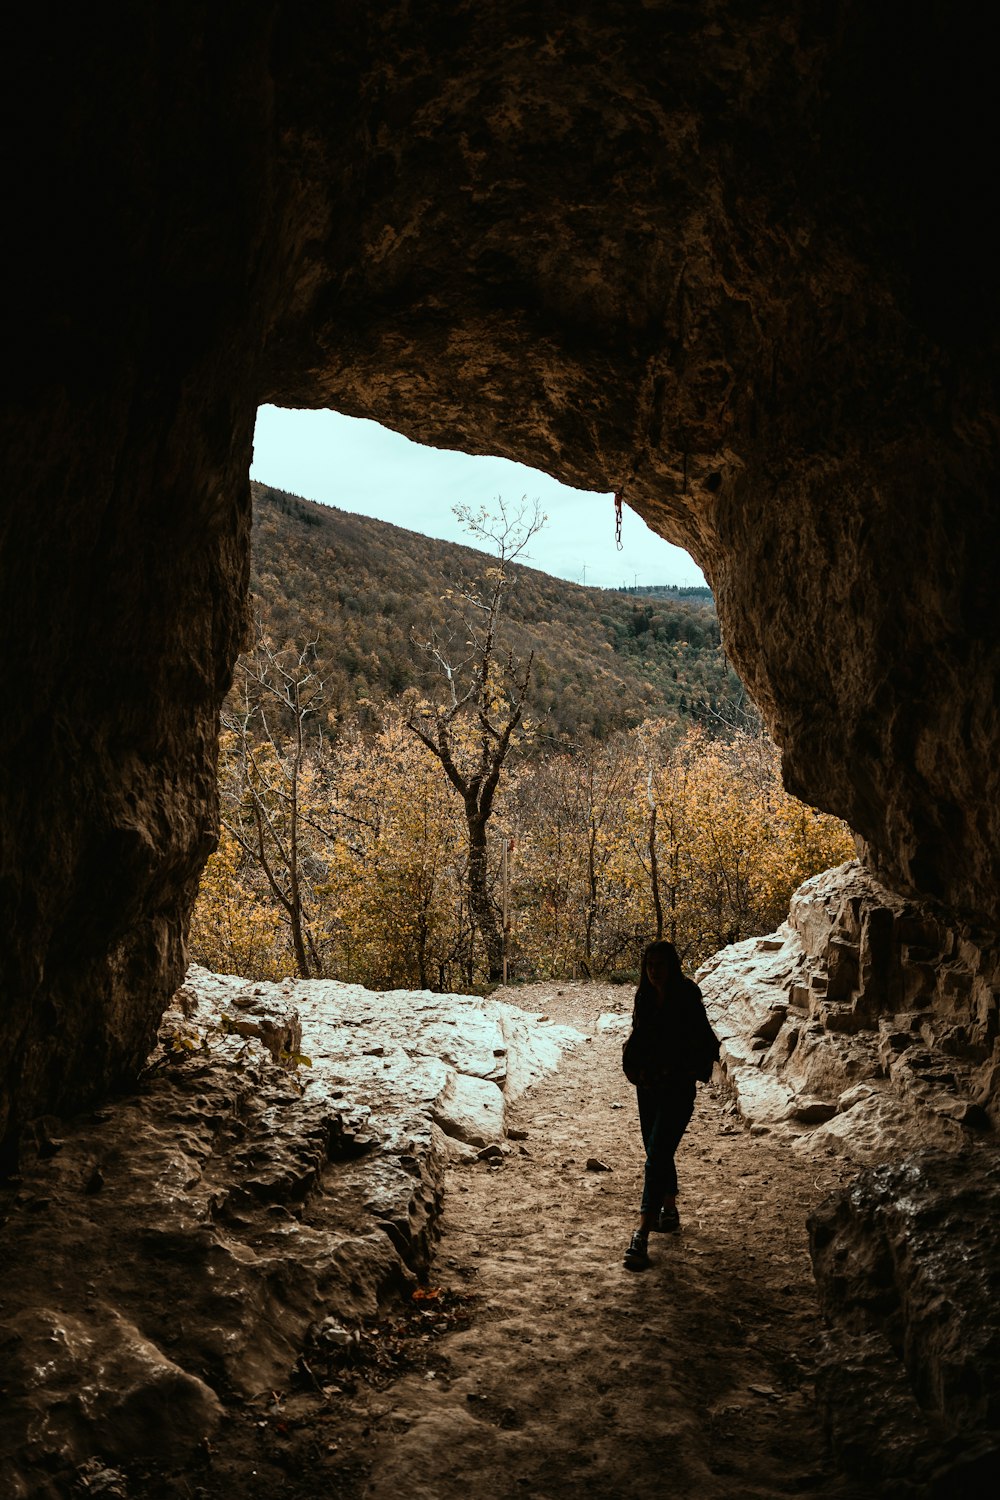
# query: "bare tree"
[[660, 827], [471, 729], [277, 697]]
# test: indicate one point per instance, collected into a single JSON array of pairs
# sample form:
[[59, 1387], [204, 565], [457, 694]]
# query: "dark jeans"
[[663, 1116]]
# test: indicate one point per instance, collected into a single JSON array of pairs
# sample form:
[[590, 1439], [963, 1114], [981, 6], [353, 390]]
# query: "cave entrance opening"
[[376, 698]]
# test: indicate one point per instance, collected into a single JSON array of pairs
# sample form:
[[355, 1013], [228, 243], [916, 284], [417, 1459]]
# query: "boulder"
[[613, 1024], [818, 1028], [471, 1109]]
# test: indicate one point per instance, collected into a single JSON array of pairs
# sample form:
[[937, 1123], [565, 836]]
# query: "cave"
[[732, 261]]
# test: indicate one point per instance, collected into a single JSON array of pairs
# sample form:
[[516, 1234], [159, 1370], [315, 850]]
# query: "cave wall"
[[730, 259], [124, 534]]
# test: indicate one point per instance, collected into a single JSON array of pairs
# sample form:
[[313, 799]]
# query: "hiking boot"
[[668, 1220], [637, 1254]]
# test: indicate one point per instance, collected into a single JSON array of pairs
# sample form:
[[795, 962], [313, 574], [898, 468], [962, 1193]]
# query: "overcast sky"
[[362, 467]]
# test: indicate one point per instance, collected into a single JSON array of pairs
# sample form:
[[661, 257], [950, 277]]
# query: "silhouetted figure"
[[670, 1047]]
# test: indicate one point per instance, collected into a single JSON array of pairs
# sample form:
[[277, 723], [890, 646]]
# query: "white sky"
[[362, 467]]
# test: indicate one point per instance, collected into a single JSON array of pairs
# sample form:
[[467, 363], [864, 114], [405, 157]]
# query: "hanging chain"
[[618, 520]]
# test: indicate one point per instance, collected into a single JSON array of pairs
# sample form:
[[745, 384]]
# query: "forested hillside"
[[385, 826], [368, 591]]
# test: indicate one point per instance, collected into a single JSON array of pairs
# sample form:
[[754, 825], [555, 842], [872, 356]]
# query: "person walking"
[[670, 1048]]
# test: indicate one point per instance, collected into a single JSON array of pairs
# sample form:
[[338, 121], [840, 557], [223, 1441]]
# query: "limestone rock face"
[[731, 261], [98, 1374], [142, 184], [185, 1244], [866, 1027], [726, 262], [863, 1025]]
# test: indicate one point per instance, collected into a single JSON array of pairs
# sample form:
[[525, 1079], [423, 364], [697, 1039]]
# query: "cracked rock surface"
[[865, 1030], [864, 1025], [171, 1252]]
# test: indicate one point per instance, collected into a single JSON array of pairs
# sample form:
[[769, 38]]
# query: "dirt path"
[[573, 1376]]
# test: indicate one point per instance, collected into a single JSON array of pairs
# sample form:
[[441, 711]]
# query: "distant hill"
[[604, 660], [693, 593]]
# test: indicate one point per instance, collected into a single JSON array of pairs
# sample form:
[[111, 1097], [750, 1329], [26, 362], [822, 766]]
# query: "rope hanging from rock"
[[618, 520]]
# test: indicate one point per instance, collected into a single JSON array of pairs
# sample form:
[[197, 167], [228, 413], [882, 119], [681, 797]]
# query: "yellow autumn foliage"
[[696, 840], [234, 928]]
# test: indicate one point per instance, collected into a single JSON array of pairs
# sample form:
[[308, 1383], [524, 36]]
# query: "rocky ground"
[[572, 1376], [402, 1279], [528, 1362], [172, 1255]]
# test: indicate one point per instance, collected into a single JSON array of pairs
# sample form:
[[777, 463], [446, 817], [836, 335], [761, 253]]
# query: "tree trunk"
[[294, 890], [654, 872], [479, 897], [422, 934]]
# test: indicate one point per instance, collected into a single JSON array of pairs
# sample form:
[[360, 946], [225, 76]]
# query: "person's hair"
[[675, 974]]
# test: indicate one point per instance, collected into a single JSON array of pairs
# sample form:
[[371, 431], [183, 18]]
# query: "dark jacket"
[[671, 1044]]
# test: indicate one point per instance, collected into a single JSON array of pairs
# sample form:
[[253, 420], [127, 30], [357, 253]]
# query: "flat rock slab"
[[175, 1249]]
